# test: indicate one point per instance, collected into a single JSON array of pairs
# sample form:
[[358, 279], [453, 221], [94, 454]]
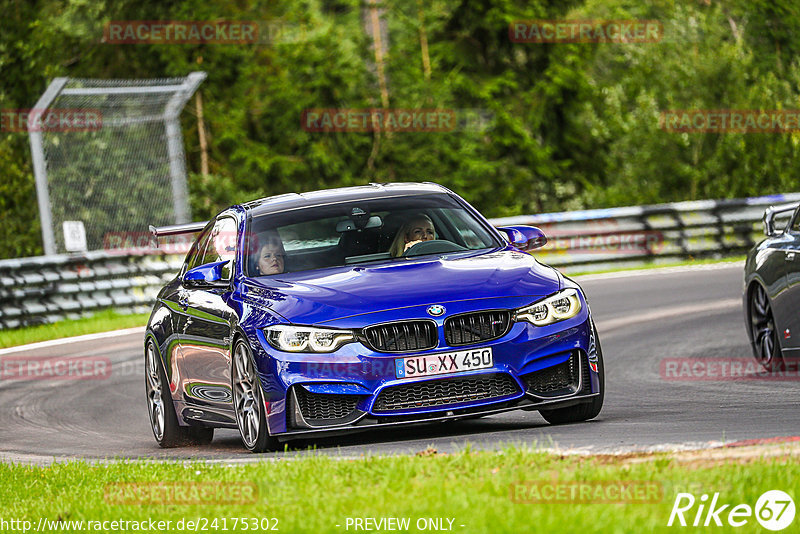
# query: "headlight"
[[562, 305], [306, 338]]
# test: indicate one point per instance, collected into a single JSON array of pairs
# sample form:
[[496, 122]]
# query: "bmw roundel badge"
[[436, 310]]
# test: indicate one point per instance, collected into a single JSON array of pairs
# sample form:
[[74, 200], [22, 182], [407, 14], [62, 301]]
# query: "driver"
[[415, 230]]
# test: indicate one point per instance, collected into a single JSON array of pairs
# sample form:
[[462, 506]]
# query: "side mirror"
[[208, 274], [524, 237]]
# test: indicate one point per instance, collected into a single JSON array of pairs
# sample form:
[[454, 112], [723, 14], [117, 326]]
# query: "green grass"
[[99, 322], [314, 493]]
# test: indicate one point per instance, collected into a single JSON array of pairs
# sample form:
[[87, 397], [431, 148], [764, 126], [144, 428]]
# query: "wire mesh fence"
[[108, 155]]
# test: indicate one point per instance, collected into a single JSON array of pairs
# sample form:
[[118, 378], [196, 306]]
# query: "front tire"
[[583, 411], [163, 419], [248, 402], [766, 346]]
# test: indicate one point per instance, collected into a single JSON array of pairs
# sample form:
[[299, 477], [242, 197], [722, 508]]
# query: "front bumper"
[[534, 368], [368, 422]]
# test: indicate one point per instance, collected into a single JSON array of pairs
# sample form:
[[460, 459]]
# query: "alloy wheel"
[[155, 401], [762, 324], [246, 397]]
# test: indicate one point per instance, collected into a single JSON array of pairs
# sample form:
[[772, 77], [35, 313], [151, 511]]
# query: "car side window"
[[795, 228], [196, 254], [222, 244]]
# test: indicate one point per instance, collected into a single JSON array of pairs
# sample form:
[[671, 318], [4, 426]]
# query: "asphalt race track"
[[642, 318]]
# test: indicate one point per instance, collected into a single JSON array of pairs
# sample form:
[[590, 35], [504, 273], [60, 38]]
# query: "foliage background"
[[575, 125]]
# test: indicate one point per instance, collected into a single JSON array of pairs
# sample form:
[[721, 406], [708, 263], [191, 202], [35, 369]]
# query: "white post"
[[177, 160], [39, 165]]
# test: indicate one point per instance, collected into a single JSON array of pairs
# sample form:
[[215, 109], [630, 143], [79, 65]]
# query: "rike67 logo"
[[774, 510]]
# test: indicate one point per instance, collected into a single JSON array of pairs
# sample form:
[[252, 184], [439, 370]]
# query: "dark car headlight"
[[563, 305], [290, 338]]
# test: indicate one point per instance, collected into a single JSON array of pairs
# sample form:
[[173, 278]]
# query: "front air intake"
[[307, 409], [445, 391], [557, 380]]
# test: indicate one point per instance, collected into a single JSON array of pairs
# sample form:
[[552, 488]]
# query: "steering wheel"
[[433, 246]]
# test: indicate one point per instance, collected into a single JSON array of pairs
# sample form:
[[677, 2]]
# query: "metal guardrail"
[[47, 289], [618, 237], [50, 288]]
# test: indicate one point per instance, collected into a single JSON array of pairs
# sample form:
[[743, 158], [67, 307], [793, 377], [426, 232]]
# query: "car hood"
[[313, 297]]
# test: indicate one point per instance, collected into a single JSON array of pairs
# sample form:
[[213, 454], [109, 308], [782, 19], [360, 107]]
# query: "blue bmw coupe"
[[363, 308]]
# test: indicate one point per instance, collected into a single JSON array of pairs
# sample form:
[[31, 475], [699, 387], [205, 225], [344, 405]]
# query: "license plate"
[[439, 364]]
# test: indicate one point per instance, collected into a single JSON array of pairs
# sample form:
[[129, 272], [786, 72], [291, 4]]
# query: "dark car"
[[363, 308], [772, 289]]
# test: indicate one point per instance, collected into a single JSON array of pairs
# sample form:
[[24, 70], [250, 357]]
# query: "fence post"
[[177, 167], [40, 166]]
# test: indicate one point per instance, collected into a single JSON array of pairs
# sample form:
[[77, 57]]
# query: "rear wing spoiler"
[[772, 211], [176, 229]]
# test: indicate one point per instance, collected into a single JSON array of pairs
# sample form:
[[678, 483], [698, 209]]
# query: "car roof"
[[290, 201]]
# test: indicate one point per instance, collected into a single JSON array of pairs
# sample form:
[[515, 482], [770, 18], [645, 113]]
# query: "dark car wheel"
[[766, 347], [587, 410], [248, 402], [163, 420]]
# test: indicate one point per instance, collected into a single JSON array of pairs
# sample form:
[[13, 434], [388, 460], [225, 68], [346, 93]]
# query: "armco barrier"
[[617, 237], [47, 289]]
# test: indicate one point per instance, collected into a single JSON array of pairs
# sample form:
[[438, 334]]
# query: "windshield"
[[362, 231]]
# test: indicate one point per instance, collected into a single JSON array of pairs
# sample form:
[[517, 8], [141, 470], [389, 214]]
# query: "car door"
[[173, 298], [790, 308], [205, 334]]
